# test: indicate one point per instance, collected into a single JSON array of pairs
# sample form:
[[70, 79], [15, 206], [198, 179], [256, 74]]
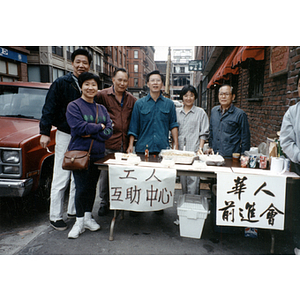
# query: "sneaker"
[[103, 211], [297, 251], [91, 224], [59, 225], [77, 229]]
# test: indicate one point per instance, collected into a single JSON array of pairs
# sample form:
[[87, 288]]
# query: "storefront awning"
[[245, 52], [230, 65], [225, 69]]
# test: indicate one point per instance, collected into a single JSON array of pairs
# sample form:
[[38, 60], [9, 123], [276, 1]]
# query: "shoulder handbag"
[[76, 159]]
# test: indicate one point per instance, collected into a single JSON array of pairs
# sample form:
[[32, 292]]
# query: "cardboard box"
[[192, 211]]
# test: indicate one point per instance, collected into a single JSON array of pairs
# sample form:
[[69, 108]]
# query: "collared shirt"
[[151, 122], [229, 132], [193, 126], [120, 116], [76, 81]]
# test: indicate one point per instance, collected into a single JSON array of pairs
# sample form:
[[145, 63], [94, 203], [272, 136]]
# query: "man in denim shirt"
[[152, 118], [229, 128]]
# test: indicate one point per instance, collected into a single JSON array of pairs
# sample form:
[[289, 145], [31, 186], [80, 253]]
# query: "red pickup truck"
[[25, 167]]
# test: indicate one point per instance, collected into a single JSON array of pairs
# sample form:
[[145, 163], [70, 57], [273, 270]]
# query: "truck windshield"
[[24, 102]]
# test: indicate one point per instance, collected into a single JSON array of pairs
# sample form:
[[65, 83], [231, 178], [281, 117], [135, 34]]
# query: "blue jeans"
[[85, 183]]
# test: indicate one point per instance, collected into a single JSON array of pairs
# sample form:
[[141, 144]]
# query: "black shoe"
[[59, 225], [103, 211], [159, 212]]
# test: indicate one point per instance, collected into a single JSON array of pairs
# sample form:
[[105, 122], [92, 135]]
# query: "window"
[[136, 68], [182, 70], [120, 56], [57, 73], [98, 62], [135, 54], [116, 54], [70, 50], [58, 50], [10, 69], [2, 66], [34, 73], [256, 79], [136, 82]]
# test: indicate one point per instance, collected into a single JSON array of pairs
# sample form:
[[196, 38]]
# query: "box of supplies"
[[192, 211]]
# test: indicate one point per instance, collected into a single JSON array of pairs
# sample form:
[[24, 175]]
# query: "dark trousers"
[[292, 216], [85, 183]]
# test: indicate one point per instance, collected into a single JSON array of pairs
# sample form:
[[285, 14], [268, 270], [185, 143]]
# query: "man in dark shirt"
[[119, 104], [229, 128], [63, 90]]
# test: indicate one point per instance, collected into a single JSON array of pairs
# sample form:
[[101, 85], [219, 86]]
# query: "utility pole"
[[167, 85]]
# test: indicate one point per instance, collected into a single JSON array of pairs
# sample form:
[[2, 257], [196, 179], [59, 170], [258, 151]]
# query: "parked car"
[[25, 167], [177, 103]]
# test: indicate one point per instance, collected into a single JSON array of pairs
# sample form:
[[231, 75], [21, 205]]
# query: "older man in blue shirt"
[[229, 128], [152, 118]]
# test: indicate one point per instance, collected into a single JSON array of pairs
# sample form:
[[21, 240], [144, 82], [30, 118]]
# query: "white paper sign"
[[141, 189], [246, 200]]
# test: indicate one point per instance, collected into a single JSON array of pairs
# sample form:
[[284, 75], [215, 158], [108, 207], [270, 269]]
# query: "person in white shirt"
[[290, 144], [193, 132]]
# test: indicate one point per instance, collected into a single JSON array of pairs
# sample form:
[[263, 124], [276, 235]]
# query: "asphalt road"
[[29, 233]]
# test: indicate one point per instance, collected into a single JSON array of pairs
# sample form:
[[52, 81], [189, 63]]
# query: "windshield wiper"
[[20, 116]]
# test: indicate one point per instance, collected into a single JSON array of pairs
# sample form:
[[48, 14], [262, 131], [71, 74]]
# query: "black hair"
[[81, 51], [298, 77], [188, 88], [87, 76], [155, 72], [120, 70]]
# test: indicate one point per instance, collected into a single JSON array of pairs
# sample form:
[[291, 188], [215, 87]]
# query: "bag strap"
[[96, 123]]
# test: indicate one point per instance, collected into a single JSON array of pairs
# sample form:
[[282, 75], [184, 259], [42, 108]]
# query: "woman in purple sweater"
[[81, 117]]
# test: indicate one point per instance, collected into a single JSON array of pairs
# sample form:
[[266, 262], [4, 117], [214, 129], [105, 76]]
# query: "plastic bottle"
[[146, 152]]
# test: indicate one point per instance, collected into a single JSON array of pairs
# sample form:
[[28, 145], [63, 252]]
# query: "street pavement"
[[144, 234]]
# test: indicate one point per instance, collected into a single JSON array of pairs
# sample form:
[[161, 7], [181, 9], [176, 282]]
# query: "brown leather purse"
[[76, 159]]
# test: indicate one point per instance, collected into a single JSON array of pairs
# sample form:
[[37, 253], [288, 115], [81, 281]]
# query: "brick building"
[[140, 62], [114, 57], [263, 78]]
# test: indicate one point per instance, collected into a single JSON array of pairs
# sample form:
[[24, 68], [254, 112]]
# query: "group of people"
[[115, 120]]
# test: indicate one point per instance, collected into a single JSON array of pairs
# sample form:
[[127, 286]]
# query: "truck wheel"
[[42, 194]]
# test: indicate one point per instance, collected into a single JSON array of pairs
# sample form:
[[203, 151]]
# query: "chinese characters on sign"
[[251, 200], [141, 189]]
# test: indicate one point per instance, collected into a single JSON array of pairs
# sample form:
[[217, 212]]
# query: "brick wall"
[[279, 92]]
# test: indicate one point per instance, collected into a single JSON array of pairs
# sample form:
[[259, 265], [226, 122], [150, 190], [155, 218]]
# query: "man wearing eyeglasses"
[[229, 128]]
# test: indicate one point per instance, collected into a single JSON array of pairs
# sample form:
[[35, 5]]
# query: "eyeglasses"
[[225, 94], [155, 80]]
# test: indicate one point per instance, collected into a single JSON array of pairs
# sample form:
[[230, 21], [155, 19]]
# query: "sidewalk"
[[149, 233]]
